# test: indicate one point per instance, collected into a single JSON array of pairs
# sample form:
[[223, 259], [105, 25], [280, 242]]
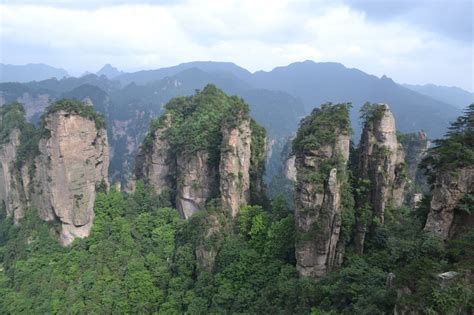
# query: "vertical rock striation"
[[196, 182], [154, 161], [449, 189], [381, 171], [73, 159], [205, 147], [11, 190], [321, 151], [234, 164], [55, 168]]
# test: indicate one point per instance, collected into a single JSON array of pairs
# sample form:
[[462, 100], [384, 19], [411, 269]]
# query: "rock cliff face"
[[154, 162], [228, 168], [381, 169], [11, 190], [449, 189], [55, 168], [416, 146], [289, 168], [196, 183], [320, 170], [73, 159], [234, 165]]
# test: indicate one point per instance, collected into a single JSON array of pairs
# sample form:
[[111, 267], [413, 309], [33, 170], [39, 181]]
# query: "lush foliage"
[[456, 150], [196, 120], [371, 112], [322, 127], [76, 107], [141, 258], [12, 117]]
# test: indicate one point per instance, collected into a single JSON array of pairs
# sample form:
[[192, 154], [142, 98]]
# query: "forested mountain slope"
[[143, 256]]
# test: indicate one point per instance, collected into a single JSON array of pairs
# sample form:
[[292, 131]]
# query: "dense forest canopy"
[[141, 255]]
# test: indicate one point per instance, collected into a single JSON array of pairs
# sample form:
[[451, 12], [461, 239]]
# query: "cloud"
[[254, 34], [450, 18]]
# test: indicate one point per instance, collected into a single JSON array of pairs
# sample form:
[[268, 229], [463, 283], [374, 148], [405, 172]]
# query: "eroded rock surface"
[[155, 162], [73, 159], [449, 189], [196, 183], [234, 166], [11, 190], [320, 172], [381, 169]]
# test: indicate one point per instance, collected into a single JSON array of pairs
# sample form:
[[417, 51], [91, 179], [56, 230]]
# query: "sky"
[[410, 41]]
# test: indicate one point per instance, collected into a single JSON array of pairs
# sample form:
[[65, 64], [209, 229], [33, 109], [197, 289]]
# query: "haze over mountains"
[[448, 94], [278, 99], [310, 83], [29, 72]]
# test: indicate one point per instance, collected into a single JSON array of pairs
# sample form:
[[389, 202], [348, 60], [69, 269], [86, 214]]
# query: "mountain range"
[[278, 99], [29, 72]]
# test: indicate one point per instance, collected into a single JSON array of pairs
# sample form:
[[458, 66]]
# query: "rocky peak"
[[204, 147], [449, 166], [73, 159], [234, 165], [321, 150], [448, 191], [381, 169]]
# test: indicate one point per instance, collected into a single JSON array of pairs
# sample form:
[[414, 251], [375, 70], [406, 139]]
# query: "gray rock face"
[[289, 168], [156, 164], [196, 183], [72, 161], [318, 210], [192, 177], [234, 167], [449, 189], [11, 191], [415, 151], [381, 163]]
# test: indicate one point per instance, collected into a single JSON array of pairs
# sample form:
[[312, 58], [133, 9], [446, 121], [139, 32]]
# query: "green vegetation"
[[257, 164], [319, 129], [76, 107], [455, 150], [322, 127], [12, 117], [371, 112], [196, 120], [141, 257]]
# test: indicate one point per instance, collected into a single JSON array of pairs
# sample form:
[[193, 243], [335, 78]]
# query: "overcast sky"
[[425, 41]]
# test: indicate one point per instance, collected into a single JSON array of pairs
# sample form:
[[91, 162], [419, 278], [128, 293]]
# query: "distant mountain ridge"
[[449, 94], [109, 71], [30, 72], [278, 99], [144, 76]]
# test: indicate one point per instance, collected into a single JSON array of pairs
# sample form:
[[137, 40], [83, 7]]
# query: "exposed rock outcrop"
[[381, 170], [155, 162], [320, 169], [11, 190], [416, 146], [73, 159], [229, 167], [289, 168], [196, 183], [449, 189], [234, 165]]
